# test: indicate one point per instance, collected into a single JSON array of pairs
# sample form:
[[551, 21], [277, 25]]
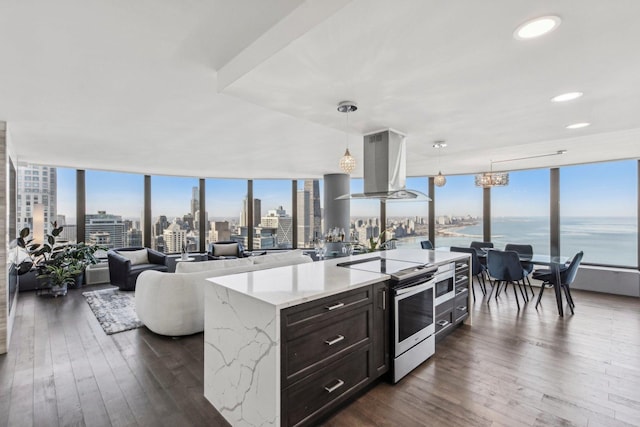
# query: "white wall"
[[608, 280]]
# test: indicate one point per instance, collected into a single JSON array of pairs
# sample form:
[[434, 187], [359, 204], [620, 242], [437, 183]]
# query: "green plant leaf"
[[24, 232]]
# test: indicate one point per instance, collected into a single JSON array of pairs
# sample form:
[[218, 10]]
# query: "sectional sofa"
[[172, 304]]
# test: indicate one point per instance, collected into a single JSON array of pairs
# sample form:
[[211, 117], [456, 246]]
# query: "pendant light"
[[347, 162], [499, 179], [439, 180]]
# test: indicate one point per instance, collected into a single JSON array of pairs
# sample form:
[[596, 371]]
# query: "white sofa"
[[173, 303]]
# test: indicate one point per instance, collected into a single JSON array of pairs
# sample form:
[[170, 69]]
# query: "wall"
[[4, 297], [616, 281]]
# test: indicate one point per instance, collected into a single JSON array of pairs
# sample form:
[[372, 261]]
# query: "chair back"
[[569, 275], [426, 244], [226, 248], [520, 249], [504, 265], [476, 267], [480, 245]]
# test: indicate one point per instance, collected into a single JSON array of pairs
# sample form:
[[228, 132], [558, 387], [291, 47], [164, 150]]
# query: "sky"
[[583, 192]]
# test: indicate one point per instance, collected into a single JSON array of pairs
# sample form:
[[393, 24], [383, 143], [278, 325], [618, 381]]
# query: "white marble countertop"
[[292, 285]]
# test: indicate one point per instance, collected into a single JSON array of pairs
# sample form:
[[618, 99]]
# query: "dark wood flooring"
[[512, 368]]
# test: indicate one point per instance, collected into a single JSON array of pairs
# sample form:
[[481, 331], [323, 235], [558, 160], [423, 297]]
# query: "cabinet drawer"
[[331, 339], [462, 267], [444, 321], [299, 319], [309, 398], [460, 308], [444, 307]]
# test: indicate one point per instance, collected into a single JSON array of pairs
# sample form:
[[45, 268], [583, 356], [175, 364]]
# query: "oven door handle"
[[417, 288]]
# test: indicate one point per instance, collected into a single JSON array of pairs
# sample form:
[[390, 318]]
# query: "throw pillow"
[[136, 257], [225, 249]]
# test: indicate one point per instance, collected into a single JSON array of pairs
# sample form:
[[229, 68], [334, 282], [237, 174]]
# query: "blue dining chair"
[[526, 250], [478, 246], [476, 269], [426, 244], [567, 276], [505, 268]]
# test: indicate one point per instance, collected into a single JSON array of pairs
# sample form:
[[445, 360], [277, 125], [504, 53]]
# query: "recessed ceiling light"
[[536, 27], [578, 125], [439, 144], [569, 96]]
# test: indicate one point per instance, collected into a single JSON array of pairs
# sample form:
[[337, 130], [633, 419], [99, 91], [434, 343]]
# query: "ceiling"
[[249, 88]]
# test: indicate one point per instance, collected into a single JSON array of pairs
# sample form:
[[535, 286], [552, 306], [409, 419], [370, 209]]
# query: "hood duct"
[[385, 169]]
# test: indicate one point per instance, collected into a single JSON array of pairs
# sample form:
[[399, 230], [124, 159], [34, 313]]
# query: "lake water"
[[604, 240]]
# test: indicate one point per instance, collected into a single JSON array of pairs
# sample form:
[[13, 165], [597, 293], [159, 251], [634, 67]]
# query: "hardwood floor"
[[521, 368], [512, 368]]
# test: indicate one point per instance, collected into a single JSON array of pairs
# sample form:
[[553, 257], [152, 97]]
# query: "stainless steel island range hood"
[[385, 169]]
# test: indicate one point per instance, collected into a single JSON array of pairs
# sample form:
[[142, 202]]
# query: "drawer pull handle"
[[334, 387], [443, 323], [462, 307], [336, 340], [334, 306]]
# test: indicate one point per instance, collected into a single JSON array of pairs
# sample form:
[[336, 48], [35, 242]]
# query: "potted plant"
[[34, 257], [78, 257], [36, 254], [378, 244], [59, 277]]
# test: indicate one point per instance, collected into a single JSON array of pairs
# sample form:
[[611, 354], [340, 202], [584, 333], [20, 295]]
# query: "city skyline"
[[583, 194]]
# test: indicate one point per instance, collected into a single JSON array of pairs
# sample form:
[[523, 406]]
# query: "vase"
[[79, 280], [58, 290]]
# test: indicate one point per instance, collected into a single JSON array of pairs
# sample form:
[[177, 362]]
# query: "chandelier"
[[492, 179], [347, 162], [498, 179], [439, 180]]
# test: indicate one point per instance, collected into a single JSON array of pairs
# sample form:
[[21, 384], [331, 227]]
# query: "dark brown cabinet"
[[381, 328], [332, 348], [451, 313]]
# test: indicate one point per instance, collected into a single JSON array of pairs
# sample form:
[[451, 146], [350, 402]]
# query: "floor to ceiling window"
[[114, 205], [175, 206], [458, 210], [598, 212], [226, 201], [272, 202], [407, 220], [520, 211]]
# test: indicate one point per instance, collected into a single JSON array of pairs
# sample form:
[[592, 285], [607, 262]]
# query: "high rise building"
[[195, 201], [36, 185], [69, 233], [99, 226], [174, 237], [257, 209], [188, 222], [315, 213], [304, 227], [282, 224], [309, 213], [160, 225], [220, 231], [133, 237]]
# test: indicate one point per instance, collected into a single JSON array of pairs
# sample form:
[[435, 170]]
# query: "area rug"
[[114, 309]]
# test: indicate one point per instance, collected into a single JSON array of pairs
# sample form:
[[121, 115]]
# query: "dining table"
[[553, 262]]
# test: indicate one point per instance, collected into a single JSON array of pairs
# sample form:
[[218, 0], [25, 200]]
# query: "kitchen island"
[[256, 323]]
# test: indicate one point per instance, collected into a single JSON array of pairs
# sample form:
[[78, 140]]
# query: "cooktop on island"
[[396, 268]]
